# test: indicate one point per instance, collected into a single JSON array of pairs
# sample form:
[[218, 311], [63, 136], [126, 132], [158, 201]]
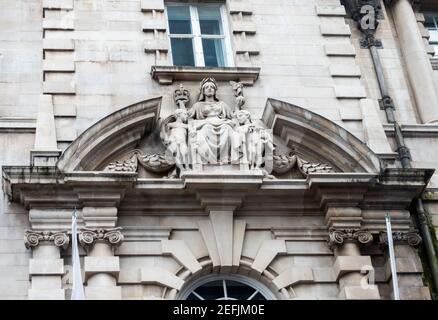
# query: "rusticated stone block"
[[359, 293], [103, 293], [94, 265], [346, 264], [48, 294], [46, 267]]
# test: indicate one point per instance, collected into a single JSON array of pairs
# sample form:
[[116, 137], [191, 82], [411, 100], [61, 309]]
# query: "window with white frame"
[[199, 35], [432, 25]]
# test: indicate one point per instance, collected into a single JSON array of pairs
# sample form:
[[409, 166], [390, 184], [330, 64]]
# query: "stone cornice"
[[338, 237], [168, 74], [411, 238], [33, 238], [88, 237], [17, 125]]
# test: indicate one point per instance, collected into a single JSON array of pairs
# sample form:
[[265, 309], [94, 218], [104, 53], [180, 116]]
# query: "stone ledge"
[[434, 62], [149, 5], [243, 26], [168, 74], [330, 10], [103, 293], [359, 293], [22, 125], [347, 264], [335, 30], [340, 49], [155, 275], [243, 7], [59, 87], [58, 4], [46, 267], [154, 24], [51, 24], [94, 265], [58, 44], [58, 66], [413, 130], [46, 294], [156, 44]]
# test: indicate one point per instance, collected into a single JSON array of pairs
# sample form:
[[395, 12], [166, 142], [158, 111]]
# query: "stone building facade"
[[242, 149]]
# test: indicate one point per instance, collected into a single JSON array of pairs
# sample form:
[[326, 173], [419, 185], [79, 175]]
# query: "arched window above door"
[[226, 287]]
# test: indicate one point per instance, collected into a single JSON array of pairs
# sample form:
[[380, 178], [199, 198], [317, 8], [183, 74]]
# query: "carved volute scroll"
[[411, 238], [338, 237], [88, 237], [34, 238]]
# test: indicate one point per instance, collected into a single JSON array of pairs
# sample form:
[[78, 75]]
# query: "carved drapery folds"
[[411, 238], [33, 238], [88, 237], [338, 237]]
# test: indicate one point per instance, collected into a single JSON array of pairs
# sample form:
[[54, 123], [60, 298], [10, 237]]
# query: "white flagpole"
[[392, 258], [78, 287]]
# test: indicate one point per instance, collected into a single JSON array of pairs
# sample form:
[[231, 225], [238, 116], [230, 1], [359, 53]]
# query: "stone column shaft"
[[408, 266], [350, 267], [417, 61], [101, 266], [46, 267]]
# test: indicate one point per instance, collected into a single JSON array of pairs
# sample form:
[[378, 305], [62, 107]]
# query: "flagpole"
[[78, 286], [392, 258]]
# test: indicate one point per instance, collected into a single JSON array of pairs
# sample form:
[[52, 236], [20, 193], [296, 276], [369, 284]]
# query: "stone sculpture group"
[[211, 133]]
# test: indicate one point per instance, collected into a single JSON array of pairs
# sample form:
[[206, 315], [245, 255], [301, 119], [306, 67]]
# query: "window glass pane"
[[179, 20], [430, 24], [433, 35], [211, 291], [182, 52], [238, 291], [213, 52], [435, 46], [210, 20]]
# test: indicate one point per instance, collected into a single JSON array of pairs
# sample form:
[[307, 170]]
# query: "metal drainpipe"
[[403, 152]]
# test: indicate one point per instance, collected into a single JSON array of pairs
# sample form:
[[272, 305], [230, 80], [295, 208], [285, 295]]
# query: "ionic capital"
[[411, 238], [338, 237], [33, 238], [88, 237]]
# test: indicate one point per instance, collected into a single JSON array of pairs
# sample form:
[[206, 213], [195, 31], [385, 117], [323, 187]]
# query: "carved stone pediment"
[[209, 134]]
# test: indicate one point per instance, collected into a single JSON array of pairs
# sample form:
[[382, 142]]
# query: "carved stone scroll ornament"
[[411, 238], [33, 238], [338, 237], [156, 163], [285, 163], [88, 237]]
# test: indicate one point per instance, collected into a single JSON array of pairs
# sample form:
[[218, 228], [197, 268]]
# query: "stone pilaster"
[[46, 266], [418, 64], [350, 267], [408, 265], [101, 266]]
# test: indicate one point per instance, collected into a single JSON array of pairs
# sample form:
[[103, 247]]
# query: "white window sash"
[[197, 37]]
